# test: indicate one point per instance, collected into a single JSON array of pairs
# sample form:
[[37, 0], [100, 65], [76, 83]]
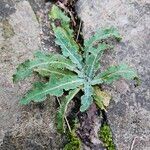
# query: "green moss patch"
[[105, 134], [74, 142]]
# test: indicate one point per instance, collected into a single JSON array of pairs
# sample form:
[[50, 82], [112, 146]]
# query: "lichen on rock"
[[8, 31]]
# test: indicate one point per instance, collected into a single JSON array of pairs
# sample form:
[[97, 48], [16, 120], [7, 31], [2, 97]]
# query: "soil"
[[90, 123]]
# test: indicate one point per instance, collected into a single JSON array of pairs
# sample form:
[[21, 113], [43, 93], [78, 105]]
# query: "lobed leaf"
[[100, 35], [44, 61], [86, 99], [55, 61], [23, 71], [70, 71], [93, 57], [114, 73], [57, 15], [68, 46], [46, 72], [54, 87], [94, 49], [63, 108]]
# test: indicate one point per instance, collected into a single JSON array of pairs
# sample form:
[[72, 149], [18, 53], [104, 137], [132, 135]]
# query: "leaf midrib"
[[75, 81], [92, 67], [70, 54], [51, 71], [46, 63], [115, 73]]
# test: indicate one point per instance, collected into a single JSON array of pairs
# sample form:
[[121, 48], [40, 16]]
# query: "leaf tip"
[[23, 102]]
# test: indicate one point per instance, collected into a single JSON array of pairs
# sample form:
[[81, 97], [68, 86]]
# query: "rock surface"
[[129, 112], [30, 127]]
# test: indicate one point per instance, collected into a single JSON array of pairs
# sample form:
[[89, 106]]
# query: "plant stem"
[[65, 116], [79, 30]]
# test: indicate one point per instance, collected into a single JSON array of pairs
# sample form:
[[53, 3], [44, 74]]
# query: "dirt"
[[90, 123]]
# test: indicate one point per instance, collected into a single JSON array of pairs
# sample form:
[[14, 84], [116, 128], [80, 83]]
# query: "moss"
[[8, 31], [105, 134], [74, 142]]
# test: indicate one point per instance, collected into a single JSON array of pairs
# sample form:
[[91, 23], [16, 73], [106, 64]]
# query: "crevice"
[[86, 121]]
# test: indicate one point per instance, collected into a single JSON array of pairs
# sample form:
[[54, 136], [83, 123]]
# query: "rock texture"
[[30, 127], [129, 112]]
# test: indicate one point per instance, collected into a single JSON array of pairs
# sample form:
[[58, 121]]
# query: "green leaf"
[[99, 48], [57, 14], [93, 57], [96, 81], [54, 60], [54, 87], [86, 99], [46, 72], [114, 73], [94, 49], [101, 98], [23, 71], [63, 108], [68, 46], [102, 34], [45, 61]]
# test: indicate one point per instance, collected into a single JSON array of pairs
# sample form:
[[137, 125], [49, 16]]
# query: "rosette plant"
[[76, 69]]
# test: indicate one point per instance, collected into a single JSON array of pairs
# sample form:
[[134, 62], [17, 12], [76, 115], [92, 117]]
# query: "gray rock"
[[18, 38], [6, 8], [129, 112], [28, 127]]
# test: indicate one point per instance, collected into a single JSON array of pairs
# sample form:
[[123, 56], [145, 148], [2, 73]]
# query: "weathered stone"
[[129, 112], [29, 127], [7, 29], [6, 8], [18, 38], [41, 9]]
